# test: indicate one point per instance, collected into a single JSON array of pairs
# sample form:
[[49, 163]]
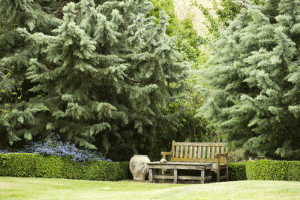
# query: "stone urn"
[[138, 167]]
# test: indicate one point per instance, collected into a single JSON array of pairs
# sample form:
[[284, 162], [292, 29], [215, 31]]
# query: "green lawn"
[[43, 188]]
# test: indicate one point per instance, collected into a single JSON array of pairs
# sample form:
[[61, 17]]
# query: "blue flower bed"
[[52, 146], [52, 158]]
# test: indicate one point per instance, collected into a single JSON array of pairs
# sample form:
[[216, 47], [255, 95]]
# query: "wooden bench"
[[200, 153]]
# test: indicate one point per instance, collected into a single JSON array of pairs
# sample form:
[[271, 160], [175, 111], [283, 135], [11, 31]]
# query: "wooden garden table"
[[180, 165]]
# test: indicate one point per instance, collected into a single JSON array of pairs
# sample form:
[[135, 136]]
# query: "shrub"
[[236, 156]]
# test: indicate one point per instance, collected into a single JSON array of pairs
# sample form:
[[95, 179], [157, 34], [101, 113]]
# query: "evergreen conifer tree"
[[252, 91], [102, 72], [15, 54]]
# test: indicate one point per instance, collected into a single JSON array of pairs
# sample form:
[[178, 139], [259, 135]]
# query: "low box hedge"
[[18, 165], [237, 171], [33, 165], [273, 170]]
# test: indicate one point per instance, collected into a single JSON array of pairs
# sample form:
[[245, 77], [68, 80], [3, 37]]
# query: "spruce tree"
[[252, 86], [15, 54], [102, 72]]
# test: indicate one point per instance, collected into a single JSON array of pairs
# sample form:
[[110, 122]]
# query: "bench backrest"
[[197, 152]]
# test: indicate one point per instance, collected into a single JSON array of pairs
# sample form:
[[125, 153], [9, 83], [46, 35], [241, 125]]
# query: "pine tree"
[[14, 61], [252, 93], [102, 72]]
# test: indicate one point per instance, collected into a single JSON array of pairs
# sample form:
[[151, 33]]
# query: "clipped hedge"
[[18, 165], [32, 165], [237, 171], [49, 167], [273, 170]]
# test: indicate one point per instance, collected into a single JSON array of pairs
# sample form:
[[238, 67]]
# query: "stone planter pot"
[[138, 167]]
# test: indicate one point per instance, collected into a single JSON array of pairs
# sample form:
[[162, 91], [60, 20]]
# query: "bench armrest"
[[164, 154], [221, 154], [218, 155]]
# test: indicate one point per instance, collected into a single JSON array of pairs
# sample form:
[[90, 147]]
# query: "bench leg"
[[218, 174], [227, 174], [150, 176], [202, 176], [175, 176], [163, 172], [209, 174]]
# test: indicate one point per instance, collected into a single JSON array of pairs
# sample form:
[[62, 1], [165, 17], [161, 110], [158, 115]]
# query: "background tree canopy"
[[16, 88], [253, 86], [16, 57], [90, 83]]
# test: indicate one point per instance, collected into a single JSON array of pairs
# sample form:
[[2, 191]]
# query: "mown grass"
[[43, 188]]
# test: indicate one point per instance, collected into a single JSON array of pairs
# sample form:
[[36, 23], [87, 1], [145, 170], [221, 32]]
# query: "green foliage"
[[72, 93], [187, 38], [251, 83], [32, 165], [228, 11], [6, 26], [18, 165], [188, 128], [273, 170], [237, 171], [49, 167], [166, 5], [237, 155]]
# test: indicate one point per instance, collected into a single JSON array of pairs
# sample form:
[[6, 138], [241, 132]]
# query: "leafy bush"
[[51, 146], [121, 152], [236, 156]]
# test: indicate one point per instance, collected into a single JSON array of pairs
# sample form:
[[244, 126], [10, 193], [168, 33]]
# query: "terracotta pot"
[[138, 167]]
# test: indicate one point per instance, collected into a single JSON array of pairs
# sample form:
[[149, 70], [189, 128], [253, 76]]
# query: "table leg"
[[203, 175], [175, 176], [150, 176]]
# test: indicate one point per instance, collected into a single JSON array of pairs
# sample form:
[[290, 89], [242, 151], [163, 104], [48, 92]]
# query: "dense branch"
[[132, 79]]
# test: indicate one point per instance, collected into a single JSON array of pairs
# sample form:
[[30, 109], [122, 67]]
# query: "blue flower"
[[52, 146]]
